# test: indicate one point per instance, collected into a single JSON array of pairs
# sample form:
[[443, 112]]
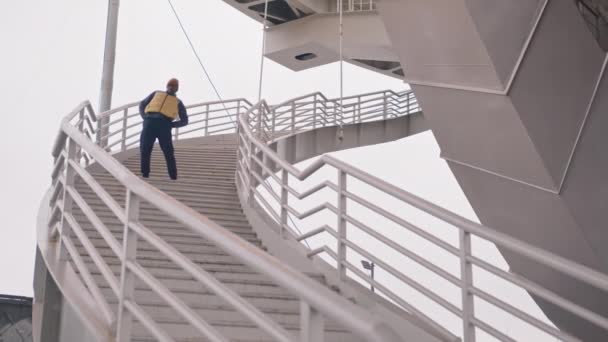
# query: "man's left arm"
[[183, 116]]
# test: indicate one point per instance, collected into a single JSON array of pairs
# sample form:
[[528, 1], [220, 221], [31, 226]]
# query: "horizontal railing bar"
[[403, 251], [176, 303], [232, 128], [534, 253], [99, 190], [401, 222], [59, 163], [400, 301], [142, 316], [315, 232], [118, 109], [267, 187], [57, 190], [89, 281], [109, 135], [323, 249], [213, 284], [491, 330], [95, 221], [407, 280], [542, 292], [312, 211], [93, 253], [269, 207], [220, 102], [522, 315], [118, 120], [55, 215]]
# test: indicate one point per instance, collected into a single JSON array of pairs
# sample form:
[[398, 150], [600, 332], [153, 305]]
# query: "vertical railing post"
[[466, 276], [284, 201], [127, 278], [293, 116], [358, 108], [207, 119], [68, 202], [125, 117], [314, 113], [384, 106], [341, 224], [252, 182], [81, 129], [98, 134], [312, 324], [260, 110], [274, 122]]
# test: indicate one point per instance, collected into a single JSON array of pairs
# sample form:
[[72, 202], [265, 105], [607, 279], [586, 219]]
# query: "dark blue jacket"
[[183, 115]]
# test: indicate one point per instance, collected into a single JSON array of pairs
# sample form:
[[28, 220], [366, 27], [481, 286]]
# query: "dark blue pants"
[[157, 128]]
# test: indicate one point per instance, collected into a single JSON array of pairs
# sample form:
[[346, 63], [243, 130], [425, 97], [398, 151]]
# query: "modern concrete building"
[[515, 92]]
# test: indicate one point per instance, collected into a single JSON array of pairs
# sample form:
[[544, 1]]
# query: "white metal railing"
[[359, 5], [258, 162], [315, 111], [356, 5], [123, 124], [76, 148]]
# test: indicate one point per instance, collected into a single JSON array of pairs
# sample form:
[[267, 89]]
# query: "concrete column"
[[516, 94]]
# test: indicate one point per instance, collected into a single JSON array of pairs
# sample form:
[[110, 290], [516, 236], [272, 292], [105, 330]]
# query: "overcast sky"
[[51, 60]]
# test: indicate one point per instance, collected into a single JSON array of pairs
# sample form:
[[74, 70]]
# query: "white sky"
[[51, 60]]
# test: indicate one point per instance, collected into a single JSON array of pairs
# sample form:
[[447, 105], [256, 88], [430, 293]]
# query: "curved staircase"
[[209, 257], [206, 184]]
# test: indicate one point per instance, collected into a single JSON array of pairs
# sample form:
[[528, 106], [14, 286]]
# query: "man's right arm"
[[144, 103]]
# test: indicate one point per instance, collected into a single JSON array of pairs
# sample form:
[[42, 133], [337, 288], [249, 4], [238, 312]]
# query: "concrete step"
[[160, 178], [184, 248], [245, 332], [157, 218], [221, 259], [167, 230], [198, 203], [168, 237], [226, 277], [260, 301], [226, 316], [207, 266], [194, 155], [207, 164], [199, 192], [192, 286], [97, 204], [180, 245]]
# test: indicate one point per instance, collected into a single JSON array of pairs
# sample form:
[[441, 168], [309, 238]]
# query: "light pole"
[[109, 58], [369, 266]]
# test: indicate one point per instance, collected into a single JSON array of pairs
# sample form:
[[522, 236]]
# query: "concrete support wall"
[[516, 95]]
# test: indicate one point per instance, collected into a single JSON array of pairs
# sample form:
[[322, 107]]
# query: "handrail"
[[73, 143], [261, 155]]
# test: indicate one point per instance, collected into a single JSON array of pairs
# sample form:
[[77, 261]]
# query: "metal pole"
[[342, 224], [466, 276], [127, 278], [284, 201], [109, 58], [372, 271]]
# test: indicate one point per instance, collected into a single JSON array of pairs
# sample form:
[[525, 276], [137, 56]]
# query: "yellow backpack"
[[163, 103]]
